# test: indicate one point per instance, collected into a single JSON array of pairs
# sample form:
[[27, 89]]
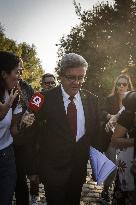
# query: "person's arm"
[[15, 124], [125, 122], [119, 131], [118, 139], [113, 120], [27, 119], [16, 118], [4, 107]]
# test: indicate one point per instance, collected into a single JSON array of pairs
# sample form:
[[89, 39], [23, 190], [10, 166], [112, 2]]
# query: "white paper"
[[102, 167]]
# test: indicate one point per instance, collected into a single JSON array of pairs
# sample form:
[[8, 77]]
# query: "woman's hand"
[[10, 100], [112, 123], [13, 95], [4, 107], [27, 119]]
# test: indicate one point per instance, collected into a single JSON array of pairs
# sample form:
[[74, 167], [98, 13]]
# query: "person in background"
[[112, 104], [9, 69], [125, 187], [48, 81], [23, 152]]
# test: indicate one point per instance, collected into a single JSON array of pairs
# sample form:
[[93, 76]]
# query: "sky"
[[42, 23]]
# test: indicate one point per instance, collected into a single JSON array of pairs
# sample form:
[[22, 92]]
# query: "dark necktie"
[[72, 116]]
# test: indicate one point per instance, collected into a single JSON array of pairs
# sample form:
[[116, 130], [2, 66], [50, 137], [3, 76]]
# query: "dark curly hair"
[[8, 62]]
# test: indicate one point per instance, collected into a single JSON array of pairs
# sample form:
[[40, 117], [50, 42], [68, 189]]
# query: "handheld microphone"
[[36, 102]]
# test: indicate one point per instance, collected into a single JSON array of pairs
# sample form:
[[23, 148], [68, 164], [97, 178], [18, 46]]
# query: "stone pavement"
[[90, 194]]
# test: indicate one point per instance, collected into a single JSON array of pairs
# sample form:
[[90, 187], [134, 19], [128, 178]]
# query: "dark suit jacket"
[[58, 150], [109, 106]]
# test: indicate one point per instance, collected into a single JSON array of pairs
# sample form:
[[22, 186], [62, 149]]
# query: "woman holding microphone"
[[9, 109]]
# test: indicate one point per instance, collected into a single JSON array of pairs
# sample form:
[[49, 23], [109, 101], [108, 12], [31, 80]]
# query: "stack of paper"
[[102, 167]]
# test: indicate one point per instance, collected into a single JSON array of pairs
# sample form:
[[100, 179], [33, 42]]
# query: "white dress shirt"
[[80, 112], [5, 135]]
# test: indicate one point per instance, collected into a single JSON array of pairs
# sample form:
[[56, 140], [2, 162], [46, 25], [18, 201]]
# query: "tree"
[[32, 66], [105, 37]]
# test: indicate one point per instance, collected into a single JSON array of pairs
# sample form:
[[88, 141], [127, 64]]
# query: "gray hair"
[[71, 60]]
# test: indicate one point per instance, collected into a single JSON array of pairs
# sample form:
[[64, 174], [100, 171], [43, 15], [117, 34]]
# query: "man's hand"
[[27, 119]]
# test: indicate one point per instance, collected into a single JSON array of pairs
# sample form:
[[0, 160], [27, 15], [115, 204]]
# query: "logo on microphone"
[[36, 102]]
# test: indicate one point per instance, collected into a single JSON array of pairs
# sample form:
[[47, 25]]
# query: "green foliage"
[[106, 38], [32, 66]]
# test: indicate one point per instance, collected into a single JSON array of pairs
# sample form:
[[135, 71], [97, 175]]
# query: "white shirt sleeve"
[[17, 110], [121, 110]]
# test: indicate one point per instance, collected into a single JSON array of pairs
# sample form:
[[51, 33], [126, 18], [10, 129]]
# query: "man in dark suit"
[[72, 124]]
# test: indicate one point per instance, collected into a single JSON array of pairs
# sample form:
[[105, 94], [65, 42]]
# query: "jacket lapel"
[[88, 110], [60, 113]]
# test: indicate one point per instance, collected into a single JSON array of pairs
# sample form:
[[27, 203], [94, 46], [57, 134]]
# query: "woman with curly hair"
[[112, 105]]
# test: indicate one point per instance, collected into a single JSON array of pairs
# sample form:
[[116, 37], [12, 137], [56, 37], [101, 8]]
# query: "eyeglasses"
[[72, 78], [124, 84], [50, 83]]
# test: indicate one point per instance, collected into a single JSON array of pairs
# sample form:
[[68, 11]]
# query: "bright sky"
[[41, 22]]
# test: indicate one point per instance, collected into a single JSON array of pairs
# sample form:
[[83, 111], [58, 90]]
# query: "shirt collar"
[[66, 96]]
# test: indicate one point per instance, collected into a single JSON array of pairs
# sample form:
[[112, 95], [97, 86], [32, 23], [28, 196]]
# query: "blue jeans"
[[7, 175]]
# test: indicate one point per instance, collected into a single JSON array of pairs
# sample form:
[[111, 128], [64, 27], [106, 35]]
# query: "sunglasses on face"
[[72, 78], [124, 84], [50, 83]]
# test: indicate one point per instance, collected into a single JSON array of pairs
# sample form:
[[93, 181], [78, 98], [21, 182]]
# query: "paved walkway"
[[91, 194]]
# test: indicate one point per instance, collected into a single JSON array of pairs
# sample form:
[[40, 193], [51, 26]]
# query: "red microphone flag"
[[36, 102]]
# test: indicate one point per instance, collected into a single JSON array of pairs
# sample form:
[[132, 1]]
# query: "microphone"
[[36, 102], [34, 105]]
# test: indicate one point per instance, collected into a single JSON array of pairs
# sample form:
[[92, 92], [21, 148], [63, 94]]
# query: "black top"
[[27, 92], [110, 106], [126, 119]]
